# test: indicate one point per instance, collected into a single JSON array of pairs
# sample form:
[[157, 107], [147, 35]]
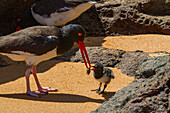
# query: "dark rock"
[[3, 63], [155, 7], [137, 100], [149, 67], [91, 22], [108, 57], [131, 61]]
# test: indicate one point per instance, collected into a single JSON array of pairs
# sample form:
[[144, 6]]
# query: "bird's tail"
[[92, 2], [112, 76]]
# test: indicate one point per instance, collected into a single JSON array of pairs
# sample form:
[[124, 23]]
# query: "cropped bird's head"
[[75, 32], [98, 66]]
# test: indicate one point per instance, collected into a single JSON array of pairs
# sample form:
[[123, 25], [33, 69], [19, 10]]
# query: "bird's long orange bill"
[[84, 53]]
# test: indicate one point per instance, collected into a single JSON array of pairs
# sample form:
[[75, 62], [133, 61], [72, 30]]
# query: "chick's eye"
[[79, 34]]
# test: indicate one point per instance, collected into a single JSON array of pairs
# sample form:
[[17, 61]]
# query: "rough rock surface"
[[128, 17], [143, 95], [109, 18], [3, 63], [131, 61], [150, 67], [108, 57]]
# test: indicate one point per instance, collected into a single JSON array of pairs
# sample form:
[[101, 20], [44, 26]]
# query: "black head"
[[98, 66], [77, 33], [74, 31]]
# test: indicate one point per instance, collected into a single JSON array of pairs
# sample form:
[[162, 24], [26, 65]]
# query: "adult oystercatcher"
[[58, 12], [103, 75], [36, 44]]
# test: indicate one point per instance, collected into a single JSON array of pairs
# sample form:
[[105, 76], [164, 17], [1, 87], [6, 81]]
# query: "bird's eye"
[[18, 19], [79, 34]]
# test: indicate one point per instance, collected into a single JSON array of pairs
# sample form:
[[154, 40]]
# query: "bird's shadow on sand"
[[58, 97], [16, 70], [108, 95]]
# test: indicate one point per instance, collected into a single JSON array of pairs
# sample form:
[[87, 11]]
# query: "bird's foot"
[[101, 92], [97, 90], [34, 94], [46, 90]]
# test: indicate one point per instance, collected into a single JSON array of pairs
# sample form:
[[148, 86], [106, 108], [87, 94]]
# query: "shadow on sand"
[[16, 70], [58, 97], [108, 95]]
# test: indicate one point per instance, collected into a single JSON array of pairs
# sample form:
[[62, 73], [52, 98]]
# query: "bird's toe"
[[101, 92], [33, 94], [47, 89], [97, 90]]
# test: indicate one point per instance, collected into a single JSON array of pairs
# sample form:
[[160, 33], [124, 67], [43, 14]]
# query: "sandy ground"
[[74, 85]]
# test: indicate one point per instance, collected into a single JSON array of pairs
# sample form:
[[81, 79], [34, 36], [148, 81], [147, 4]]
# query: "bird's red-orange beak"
[[93, 68], [83, 51], [18, 28]]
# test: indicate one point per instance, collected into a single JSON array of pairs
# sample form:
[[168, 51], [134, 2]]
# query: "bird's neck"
[[65, 45]]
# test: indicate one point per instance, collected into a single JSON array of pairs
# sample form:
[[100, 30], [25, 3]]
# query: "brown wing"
[[34, 42]]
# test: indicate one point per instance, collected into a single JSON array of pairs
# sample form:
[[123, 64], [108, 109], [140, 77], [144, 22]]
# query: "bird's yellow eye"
[[18, 19], [79, 34]]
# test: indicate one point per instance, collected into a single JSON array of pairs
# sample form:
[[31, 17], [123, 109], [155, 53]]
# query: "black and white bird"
[[58, 12], [36, 44], [103, 75]]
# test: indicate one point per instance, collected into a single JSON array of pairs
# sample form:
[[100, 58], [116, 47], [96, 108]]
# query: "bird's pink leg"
[[41, 89], [27, 75]]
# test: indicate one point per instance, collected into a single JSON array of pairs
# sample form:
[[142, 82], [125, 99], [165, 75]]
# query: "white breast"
[[34, 60], [31, 59], [103, 79], [56, 19]]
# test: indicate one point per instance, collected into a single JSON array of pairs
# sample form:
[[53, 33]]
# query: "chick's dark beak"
[[93, 68], [84, 54]]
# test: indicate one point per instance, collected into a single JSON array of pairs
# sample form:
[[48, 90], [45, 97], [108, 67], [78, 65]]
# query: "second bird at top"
[[58, 12]]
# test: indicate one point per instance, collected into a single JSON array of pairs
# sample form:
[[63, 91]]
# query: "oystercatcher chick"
[[103, 75], [36, 44], [58, 12]]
